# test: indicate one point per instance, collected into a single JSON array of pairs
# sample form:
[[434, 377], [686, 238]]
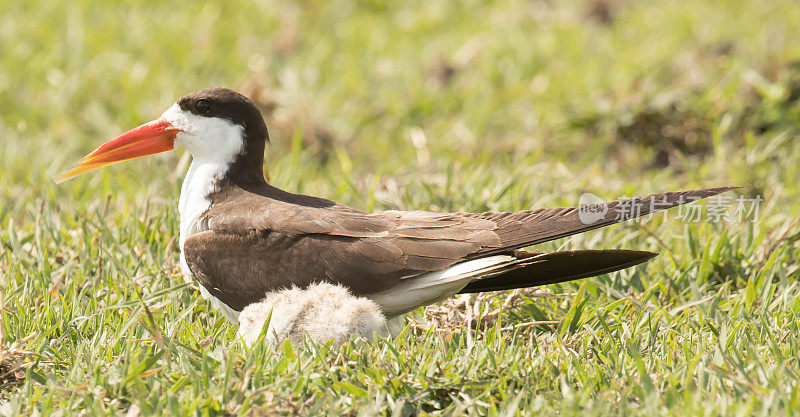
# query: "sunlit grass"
[[444, 106]]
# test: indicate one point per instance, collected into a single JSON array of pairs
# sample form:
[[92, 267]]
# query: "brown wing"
[[239, 268], [530, 227], [266, 239]]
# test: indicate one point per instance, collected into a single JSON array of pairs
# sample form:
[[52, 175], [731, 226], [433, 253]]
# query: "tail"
[[503, 272], [535, 269]]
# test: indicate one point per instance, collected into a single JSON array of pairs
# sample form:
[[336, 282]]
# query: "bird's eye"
[[203, 106]]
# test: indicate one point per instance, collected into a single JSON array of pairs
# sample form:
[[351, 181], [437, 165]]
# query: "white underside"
[[420, 290], [229, 313]]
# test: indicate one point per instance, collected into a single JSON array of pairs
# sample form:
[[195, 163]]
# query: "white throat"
[[214, 144]]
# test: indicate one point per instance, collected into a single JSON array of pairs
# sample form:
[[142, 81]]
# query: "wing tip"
[[561, 266], [716, 190], [700, 193], [642, 256]]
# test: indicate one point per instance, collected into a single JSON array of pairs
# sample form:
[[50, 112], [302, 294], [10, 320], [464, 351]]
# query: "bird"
[[320, 312], [242, 238]]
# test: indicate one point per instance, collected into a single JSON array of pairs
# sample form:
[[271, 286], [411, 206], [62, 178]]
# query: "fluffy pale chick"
[[321, 312], [242, 238]]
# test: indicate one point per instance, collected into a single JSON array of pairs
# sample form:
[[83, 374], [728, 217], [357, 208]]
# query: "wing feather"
[[263, 240]]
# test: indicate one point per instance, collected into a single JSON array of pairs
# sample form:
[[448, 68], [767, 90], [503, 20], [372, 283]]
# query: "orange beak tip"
[[147, 139], [59, 178]]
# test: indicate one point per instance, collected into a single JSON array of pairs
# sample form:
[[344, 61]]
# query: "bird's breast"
[[197, 194]]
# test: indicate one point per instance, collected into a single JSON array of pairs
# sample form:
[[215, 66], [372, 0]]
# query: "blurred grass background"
[[440, 105]]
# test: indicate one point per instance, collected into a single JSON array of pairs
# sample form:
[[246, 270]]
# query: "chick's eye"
[[203, 106]]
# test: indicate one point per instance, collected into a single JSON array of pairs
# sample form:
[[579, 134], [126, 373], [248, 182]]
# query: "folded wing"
[[247, 249]]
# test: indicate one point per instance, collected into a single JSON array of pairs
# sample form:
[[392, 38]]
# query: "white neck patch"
[[214, 144], [208, 139]]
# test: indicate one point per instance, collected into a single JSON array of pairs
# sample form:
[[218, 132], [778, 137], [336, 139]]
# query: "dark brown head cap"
[[226, 104], [229, 105]]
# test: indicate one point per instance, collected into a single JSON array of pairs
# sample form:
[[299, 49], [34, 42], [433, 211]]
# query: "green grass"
[[521, 104]]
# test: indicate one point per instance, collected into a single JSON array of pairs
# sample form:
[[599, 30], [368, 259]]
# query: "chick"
[[322, 312]]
